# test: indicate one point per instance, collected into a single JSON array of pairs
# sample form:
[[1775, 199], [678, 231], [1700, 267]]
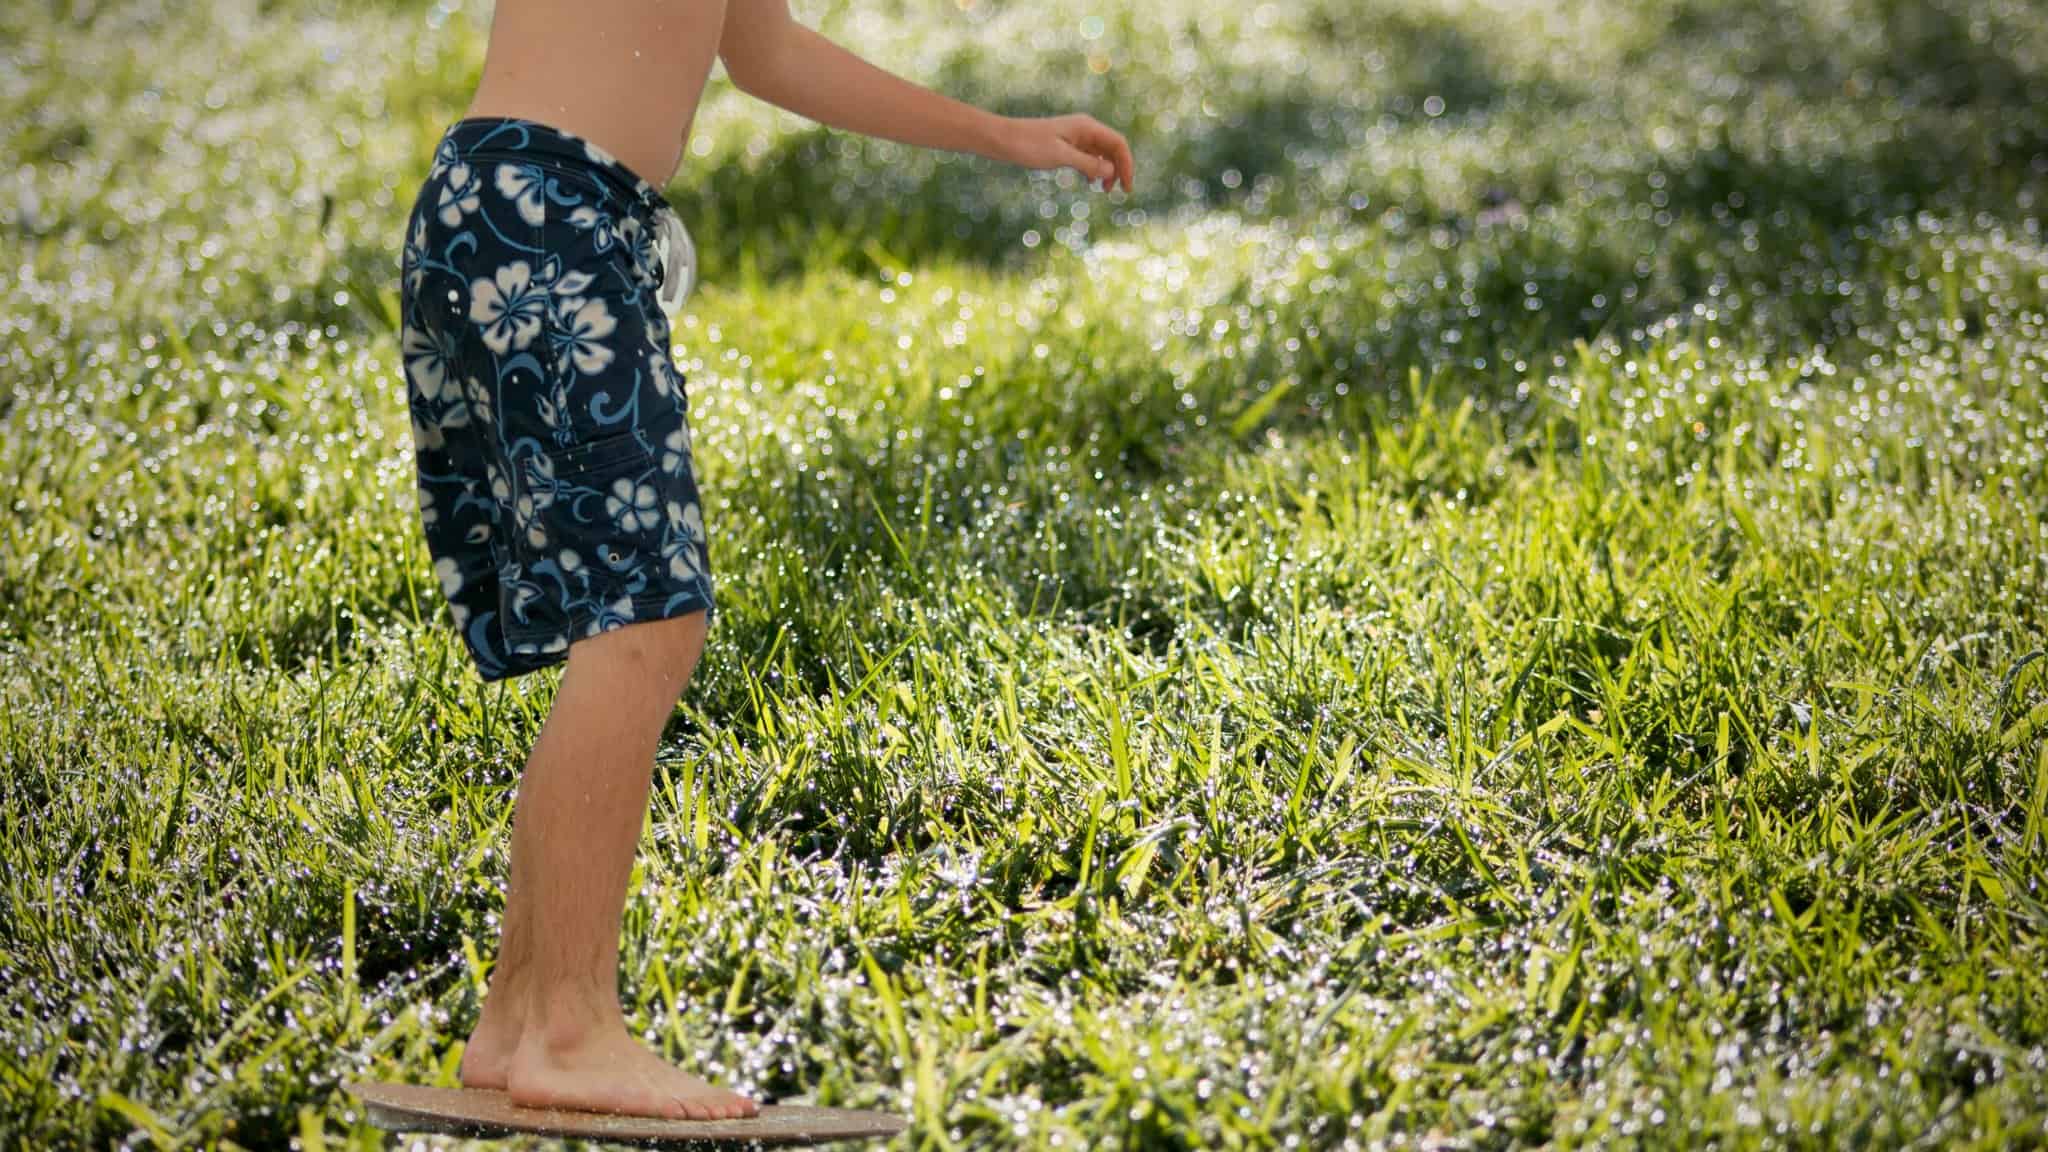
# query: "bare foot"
[[487, 1055], [609, 1071]]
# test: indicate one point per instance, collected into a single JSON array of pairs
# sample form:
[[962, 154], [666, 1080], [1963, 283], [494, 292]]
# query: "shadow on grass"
[[1442, 305]]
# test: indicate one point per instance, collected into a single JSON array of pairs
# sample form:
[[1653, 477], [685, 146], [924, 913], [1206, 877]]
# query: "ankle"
[[508, 994], [567, 1020], [503, 1014]]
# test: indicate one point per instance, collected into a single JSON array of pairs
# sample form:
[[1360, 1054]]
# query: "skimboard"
[[478, 1112]]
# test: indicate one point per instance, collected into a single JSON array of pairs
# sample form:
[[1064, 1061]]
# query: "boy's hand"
[[1080, 142]]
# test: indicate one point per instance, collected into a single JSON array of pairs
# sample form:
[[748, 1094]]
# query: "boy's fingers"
[[1112, 168], [1108, 142], [1090, 165]]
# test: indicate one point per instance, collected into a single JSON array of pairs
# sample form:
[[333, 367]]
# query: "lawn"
[[1498, 599]]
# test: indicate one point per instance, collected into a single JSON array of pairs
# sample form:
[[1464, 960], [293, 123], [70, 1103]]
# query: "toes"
[[699, 1108]]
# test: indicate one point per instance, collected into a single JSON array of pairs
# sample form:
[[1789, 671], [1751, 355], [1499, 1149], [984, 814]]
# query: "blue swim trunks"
[[550, 426]]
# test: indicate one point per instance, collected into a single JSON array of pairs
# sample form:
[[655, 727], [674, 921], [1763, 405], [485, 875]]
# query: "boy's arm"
[[771, 57]]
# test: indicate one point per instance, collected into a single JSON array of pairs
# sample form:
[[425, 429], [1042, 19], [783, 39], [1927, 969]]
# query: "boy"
[[555, 480]]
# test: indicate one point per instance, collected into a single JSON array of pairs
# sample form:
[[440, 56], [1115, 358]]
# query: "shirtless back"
[[624, 74]]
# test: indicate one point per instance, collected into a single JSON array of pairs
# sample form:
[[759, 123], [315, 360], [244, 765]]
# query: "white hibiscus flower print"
[[584, 323], [686, 520], [546, 277], [540, 480], [598, 224], [427, 435], [501, 489], [675, 452], [429, 514], [445, 157], [598, 154], [570, 283], [682, 560], [661, 370], [685, 534], [426, 361], [508, 306], [548, 413], [639, 246], [415, 254], [632, 505], [523, 595], [453, 416], [449, 575], [460, 195], [649, 257], [479, 398], [616, 614], [522, 184], [523, 511]]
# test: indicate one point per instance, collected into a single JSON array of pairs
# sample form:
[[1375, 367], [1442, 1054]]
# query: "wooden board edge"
[[397, 1118]]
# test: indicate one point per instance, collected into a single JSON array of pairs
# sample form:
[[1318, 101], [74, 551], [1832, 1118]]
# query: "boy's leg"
[[577, 824]]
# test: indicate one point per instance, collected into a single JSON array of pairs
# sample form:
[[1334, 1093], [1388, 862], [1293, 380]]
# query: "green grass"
[[1497, 600]]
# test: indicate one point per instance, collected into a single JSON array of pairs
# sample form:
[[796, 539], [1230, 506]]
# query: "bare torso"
[[624, 74]]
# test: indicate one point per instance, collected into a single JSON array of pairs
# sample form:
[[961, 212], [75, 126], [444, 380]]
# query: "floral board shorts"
[[550, 428]]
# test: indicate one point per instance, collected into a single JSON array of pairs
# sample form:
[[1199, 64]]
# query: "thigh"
[[599, 360], [462, 486], [592, 427]]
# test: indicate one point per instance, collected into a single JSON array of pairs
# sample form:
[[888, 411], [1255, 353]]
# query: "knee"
[[666, 650], [656, 654]]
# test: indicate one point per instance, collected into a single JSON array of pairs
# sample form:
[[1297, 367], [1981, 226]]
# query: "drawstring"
[[678, 257]]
